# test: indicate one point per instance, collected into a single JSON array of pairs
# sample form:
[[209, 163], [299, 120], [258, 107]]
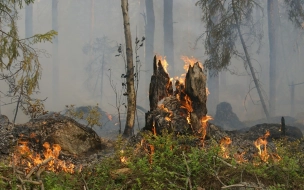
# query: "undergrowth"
[[174, 162]]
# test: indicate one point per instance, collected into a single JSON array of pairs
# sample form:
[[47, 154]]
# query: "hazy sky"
[[75, 31]]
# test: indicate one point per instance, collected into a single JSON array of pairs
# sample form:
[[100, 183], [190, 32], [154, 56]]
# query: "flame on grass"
[[239, 157], [203, 129], [27, 158], [224, 144], [261, 145], [123, 158]]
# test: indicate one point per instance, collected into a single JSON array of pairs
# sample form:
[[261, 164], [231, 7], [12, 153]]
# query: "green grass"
[[168, 162]]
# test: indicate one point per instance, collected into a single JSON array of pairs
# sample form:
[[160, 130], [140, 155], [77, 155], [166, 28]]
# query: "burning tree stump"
[[180, 111], [160, 85], [195, 88]]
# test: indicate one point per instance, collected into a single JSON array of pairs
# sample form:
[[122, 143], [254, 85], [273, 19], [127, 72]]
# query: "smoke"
[[75, 31]]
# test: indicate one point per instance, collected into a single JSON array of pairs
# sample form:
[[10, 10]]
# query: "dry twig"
[[224, 162], [240, 185], [38, 166]]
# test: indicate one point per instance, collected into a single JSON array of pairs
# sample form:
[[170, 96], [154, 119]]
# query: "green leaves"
[[221, 31], [47, 37], [19, 63], [295, 12]]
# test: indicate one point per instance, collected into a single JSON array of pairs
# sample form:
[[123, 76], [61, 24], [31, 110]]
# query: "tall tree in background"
[[236, 19], [273, 18], [131, 98], [149, 45], [55, 81], [168, 34], [29, 20], [221, 37]]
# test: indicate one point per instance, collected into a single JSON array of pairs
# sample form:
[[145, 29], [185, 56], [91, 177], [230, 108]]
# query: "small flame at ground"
[[24, 156], [261, 145], [239, 157], [224, 143], [203, 130], [123, 159]]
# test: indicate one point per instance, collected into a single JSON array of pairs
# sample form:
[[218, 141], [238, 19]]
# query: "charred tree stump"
[[195, 88], [160, 85], [180, 111]]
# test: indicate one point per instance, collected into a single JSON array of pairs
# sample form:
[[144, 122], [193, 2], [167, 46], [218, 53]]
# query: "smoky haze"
[[80, 23]]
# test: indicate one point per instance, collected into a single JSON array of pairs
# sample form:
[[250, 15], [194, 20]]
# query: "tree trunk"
[[272, 10], [149, 44], [55, 81], [168, 35], [101, 78], [130, 71], [29, 20], [255, 80]]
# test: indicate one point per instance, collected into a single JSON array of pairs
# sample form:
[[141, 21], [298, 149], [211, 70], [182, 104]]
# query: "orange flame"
[[109, 116], [151, 153], [24, 156], [224, 143], [123, 159], [261, 145], [203, 130], [239, 157], [186, 103], [190, 61], [163, 61], [207, 91]]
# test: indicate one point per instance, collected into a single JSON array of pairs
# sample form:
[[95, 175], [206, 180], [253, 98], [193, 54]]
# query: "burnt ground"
[[47, 129]]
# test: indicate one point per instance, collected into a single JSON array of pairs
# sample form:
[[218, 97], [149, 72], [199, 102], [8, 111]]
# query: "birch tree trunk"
[[130, 71]]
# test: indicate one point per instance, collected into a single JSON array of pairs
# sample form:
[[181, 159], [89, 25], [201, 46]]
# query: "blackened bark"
[[180, 112], [160, 86], [195, 88]]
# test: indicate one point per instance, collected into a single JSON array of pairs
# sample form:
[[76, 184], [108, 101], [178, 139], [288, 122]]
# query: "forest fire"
[[261, 145], [28, 159], [224, 143], [123, 158], [204, 127], [163, 61]]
